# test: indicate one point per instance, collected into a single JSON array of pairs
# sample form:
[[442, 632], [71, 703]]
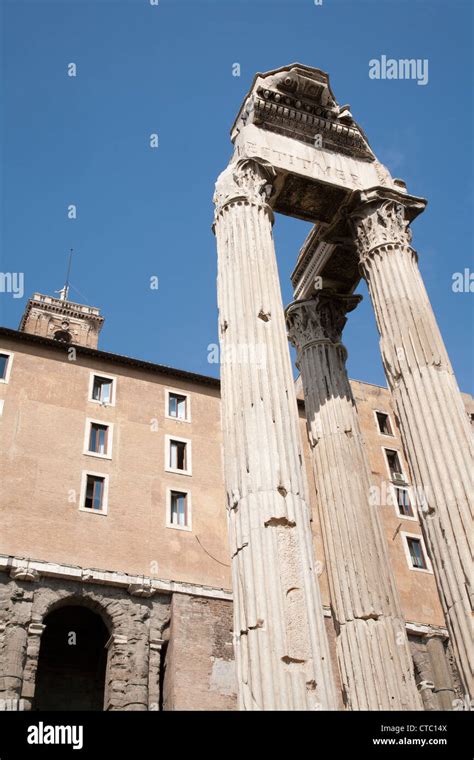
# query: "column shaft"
[[281, 648], [433, 420], [372, 647]]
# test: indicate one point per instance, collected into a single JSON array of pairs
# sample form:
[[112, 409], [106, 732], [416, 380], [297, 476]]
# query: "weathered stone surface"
[[436, 680], [280, 642], [129, 620], [369, 624], [199, 665], [433, 421]]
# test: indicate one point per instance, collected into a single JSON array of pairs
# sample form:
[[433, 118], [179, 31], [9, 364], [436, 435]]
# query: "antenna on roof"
[[64, 292]]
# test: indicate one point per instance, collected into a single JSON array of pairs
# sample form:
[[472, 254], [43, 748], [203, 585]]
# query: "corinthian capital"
[[249, 180], [319, 319], [383, 219]]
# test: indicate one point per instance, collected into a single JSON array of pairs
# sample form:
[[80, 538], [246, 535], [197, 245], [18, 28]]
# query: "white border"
[[386, 435], [189, 468], [105, 503], [169, 524], [414, 508], [2, 404], [98, 373], [10, 355], [402, 467], [177, 392], [110, 437], [404, 534]]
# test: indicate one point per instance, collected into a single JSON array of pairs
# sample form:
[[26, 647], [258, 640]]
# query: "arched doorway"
[[72, 661]]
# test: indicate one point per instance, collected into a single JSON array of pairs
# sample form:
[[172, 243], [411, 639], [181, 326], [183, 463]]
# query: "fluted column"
[[433, 421], [281, 647], [372, 647]]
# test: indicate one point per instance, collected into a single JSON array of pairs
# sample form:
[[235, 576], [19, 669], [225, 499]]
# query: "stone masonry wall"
[[135, 625], [199, 663], [167, 652]]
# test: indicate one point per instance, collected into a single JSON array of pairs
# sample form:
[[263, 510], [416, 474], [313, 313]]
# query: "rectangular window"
[[4, 359], [403, 502], [383, 421], [102, 389], [178, 508], [98, 438], [178, 455], [177, 406], [417, 554], [394, 466], [94, 495]]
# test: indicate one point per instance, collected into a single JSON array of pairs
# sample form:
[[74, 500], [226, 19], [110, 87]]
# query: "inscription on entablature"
[[336, 169]]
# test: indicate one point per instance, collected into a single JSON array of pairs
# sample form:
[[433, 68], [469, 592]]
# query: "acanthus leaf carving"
[[248, 179], [380, 224], [320, 319]]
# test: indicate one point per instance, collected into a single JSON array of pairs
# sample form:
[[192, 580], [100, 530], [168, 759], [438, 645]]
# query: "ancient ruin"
[[298, 152]]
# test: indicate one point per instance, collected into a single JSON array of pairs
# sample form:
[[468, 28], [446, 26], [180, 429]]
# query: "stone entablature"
[[33, 570], [298, 101]]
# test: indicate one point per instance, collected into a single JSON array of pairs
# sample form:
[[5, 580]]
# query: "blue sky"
[[167, 69]]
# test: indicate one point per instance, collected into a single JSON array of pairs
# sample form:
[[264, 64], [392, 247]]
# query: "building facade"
[[115, 570]]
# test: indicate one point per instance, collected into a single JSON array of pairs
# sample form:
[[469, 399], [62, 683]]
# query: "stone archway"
[[72, 660]]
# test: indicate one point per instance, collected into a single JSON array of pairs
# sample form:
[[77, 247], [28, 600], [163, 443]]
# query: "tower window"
[[384, 424], [416, 552], [404, 502], [178, 508], [6, 359], [94, 495], [178, 455], [102, 389], [98, 438], [177, 406], [63, 336], [394, 466]]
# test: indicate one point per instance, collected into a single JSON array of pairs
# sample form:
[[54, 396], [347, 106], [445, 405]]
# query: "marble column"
[[281, 647], [371, 643], [433, 421]]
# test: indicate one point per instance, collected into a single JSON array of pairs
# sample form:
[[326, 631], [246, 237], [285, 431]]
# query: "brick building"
[[114, 562]]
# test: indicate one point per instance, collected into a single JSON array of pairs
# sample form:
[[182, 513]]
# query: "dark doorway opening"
[[72, 661]]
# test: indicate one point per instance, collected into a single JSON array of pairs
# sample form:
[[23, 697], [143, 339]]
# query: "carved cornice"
[[24, 572], [320, 319], [42, 304], [297, 101], [144, 590], [112, 578], [248, 180]]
